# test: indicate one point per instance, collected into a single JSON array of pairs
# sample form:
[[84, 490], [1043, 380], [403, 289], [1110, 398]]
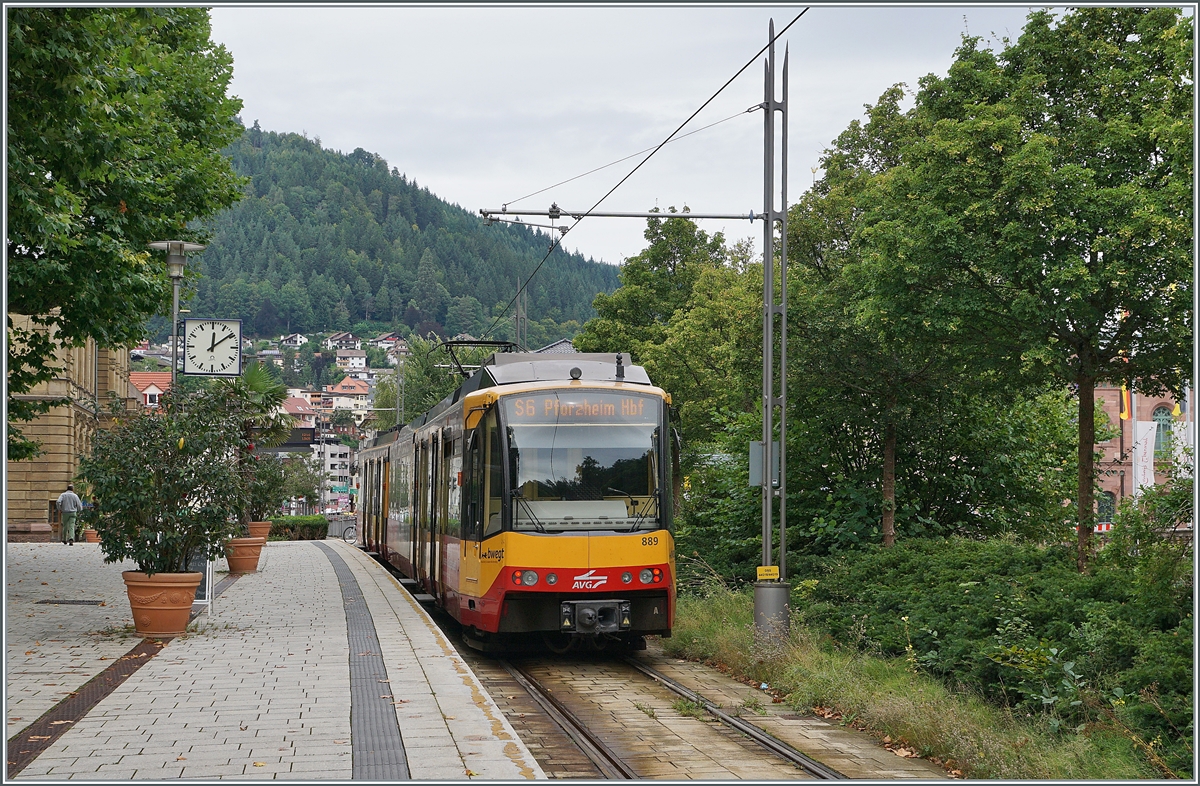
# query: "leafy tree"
[[376, 357], [1045, 206], [654, 285], [254, 401], [116, 120], [165, 484]]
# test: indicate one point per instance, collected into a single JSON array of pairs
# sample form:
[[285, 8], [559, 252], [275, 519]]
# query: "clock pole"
[[175, 261]]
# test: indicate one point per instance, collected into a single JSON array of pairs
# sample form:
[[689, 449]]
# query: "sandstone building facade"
[[88, 378]]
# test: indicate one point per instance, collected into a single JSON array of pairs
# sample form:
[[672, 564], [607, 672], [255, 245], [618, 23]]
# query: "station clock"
[[212, 347]]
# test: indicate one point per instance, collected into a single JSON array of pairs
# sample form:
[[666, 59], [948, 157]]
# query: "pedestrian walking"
[[69, 506]]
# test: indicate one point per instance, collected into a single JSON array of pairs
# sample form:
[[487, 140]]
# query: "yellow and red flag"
[[1124, 403]]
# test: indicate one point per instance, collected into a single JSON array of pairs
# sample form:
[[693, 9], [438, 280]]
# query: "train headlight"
[[626, 577], [529, 578], [646, 576], [551, 578]]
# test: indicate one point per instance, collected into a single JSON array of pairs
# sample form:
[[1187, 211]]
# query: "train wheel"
[[559, 643]]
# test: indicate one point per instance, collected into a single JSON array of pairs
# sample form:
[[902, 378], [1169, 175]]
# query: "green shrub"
[[299, 528], [1017, 624]]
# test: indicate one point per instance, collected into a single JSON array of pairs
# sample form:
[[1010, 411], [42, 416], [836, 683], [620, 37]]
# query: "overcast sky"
[[486, 104]]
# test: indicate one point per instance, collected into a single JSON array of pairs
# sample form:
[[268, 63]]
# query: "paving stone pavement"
[[260, 689]]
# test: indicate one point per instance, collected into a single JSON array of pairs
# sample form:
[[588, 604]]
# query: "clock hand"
[[213, 345], [222, 341]]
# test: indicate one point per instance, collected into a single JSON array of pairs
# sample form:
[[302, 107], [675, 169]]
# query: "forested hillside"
[[327, 241]]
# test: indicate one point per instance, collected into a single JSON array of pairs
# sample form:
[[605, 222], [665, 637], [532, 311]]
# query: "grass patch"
[[885, 697], [692, 709], [646, 708]]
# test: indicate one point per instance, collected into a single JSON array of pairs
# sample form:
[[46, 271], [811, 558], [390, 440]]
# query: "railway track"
[[611, 764], [779, 748], [603, 757]]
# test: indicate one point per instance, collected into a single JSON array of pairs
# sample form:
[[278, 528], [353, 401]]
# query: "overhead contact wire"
[[626, 158], [620, 183]]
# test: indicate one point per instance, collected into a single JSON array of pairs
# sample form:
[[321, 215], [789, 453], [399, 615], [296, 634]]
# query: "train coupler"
[[595, 616]]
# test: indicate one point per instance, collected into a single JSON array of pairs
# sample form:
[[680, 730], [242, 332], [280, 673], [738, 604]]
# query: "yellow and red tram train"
[[535, 499]]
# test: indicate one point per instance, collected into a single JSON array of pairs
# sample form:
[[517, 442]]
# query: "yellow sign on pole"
[[768, 573]]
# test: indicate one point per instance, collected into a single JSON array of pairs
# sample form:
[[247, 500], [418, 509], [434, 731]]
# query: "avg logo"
[[589, 580]]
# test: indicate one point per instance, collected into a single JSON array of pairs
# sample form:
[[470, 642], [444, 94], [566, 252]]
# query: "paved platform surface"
[[260, 689]]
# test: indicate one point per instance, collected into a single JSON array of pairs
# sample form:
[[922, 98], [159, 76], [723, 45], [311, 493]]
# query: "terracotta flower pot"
[[260, 529], [242, 554], [161, 603], [91, 536]]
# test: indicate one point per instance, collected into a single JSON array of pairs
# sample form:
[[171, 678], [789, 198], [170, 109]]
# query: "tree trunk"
[[1087, 446], [889, 485]]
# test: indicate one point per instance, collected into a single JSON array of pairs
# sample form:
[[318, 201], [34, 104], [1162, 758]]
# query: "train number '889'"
[[650, 540]]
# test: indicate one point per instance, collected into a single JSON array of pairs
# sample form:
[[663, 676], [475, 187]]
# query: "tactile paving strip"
[[378, 748]]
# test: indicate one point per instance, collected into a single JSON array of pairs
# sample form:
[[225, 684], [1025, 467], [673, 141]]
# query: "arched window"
[[1162, 435], [1106, 507]]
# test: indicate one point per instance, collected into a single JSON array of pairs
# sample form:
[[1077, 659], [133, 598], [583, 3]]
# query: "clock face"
[[212, 347]]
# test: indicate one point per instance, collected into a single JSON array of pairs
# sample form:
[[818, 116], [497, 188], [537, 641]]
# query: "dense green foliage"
[[268, 486], [165, 483], [1020, 625], [892, 697], [299, 527], [116, 121], [1036, 208], [331, 241]]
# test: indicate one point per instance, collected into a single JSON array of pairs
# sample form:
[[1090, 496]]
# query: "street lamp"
[[175, 262]]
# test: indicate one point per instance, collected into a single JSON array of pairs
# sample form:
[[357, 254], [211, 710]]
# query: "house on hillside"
[[352, 394], [384, 340], [351, 360], [150, 385], [397, 352], [342, 340], [270, 356], [295, 341], [561, 347]]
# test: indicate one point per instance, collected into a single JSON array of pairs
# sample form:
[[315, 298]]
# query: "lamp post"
[[175, 262]]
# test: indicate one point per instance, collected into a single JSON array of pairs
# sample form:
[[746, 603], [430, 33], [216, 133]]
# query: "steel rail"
[[608, 762], [777, 747]]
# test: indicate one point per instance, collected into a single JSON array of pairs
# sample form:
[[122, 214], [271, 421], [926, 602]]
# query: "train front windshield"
[[583, 460]]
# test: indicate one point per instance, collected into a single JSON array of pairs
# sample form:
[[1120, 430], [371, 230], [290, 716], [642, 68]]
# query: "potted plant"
[[255, 401], [166, 490]]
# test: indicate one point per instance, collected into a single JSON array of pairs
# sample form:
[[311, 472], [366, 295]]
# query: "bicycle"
[[350, 534]]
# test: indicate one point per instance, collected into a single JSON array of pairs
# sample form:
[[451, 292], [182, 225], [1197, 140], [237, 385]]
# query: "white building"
[[295, 341], [335, 460]]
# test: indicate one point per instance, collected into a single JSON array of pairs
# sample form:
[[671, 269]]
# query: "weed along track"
[[602, 717], [614, 714]]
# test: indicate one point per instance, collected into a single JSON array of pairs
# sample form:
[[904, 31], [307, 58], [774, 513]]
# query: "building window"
[[152, 399], [1106, 507], [1162, 434]]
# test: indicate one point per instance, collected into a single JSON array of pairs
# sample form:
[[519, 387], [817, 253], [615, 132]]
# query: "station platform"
[[320, 666]]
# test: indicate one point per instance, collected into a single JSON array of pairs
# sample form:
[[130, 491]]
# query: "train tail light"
[[525, 578]]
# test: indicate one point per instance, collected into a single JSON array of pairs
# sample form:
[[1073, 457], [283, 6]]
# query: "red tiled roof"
[[298, 406], [144, 379]]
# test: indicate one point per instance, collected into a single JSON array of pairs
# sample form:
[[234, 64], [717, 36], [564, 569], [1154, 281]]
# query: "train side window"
[[493, 475]]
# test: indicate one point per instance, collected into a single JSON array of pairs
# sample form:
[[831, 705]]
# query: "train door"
[[384, 484], [472, 512], [435, 514], [420, 485], [449, 538]]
